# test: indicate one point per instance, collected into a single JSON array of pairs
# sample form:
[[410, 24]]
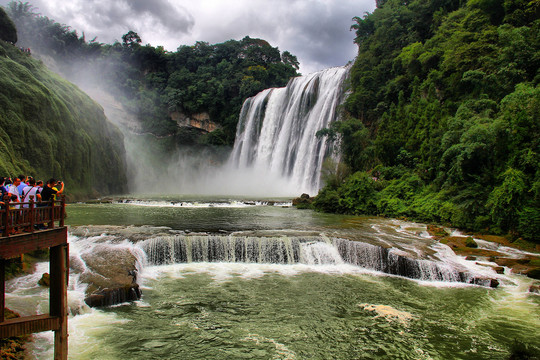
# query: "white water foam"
[[26, 297], [201, 204]]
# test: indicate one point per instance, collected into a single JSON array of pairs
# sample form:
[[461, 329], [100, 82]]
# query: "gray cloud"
[[316, 31]]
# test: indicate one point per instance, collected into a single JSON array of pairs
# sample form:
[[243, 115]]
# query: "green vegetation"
[[153, 84], [50, 128], [442, 124]]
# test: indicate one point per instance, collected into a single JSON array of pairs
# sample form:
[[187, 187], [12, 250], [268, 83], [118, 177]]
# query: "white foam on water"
[[222, 271], [201, 204], [505, 250]]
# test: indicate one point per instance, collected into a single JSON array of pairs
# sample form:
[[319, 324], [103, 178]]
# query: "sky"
[[317, 32]]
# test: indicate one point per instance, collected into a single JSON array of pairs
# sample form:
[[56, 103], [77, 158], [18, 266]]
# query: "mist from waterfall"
[[276, 153]]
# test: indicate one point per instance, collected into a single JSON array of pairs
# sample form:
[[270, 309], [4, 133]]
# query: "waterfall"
[[310, 250], [276, 132]]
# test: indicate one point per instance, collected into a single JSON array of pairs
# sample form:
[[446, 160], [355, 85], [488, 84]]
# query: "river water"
[[319, 307]]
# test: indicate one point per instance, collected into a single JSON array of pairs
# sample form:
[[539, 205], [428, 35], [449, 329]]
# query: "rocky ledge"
[[526, 264]]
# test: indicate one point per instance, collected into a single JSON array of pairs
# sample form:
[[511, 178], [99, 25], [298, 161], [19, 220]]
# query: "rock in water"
[[111, 273], [45, 280]]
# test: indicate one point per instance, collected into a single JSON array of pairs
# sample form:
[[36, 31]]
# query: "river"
[[317, 306]]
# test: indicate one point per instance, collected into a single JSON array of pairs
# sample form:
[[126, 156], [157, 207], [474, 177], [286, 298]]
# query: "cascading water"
[[311, 250], [276, 133]]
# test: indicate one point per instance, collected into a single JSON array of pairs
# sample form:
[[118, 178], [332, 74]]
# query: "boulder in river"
[[112, 275]]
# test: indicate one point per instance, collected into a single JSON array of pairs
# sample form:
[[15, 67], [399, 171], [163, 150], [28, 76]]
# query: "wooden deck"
[[26, 227]]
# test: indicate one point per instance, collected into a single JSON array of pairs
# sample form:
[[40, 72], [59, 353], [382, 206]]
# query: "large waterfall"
[[276, 133]]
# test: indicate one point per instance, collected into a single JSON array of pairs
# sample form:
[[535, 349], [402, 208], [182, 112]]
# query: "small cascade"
[[310, 250], [385, 260], [276, 132], [182, 249]]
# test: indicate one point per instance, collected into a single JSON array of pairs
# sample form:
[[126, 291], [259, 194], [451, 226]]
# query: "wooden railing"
[[31, 216], [26, 227]]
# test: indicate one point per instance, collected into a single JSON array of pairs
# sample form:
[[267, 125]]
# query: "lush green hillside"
[[48, 127], [443, 120]]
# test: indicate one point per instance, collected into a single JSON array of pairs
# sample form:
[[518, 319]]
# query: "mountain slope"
[[50, 128]]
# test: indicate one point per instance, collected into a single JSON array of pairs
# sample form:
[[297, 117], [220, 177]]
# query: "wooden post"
[[58, 298], [6, 216], [32, 213], [62, 210], [51, 214], [2, 288]]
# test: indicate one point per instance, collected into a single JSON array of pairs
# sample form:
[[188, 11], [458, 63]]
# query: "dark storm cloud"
[[163, 12], [108, 20], [328, 40], [316, 31]]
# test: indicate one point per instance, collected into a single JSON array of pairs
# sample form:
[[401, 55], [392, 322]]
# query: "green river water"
[[222, 310]]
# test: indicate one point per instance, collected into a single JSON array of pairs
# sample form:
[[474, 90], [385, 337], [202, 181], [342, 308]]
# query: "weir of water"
[[310, 250], [277, 128]]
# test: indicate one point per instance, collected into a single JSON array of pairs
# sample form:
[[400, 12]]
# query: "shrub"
[[469, 242], [358, 194]]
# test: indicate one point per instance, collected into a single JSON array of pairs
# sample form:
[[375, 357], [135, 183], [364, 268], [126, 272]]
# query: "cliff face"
[[199, 121], [50, 128]]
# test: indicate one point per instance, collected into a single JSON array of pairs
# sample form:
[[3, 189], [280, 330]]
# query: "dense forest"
[[153, 83], [443, 121]]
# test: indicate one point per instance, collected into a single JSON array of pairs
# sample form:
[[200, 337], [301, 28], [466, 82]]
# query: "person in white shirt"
[[31, 190], [13, 189]]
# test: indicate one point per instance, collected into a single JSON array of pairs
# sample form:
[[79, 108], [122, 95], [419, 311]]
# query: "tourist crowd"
[[25, 188]]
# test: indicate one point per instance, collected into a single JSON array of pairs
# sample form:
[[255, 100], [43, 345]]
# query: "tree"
[[507, 199], [290, 59], [131, 39]]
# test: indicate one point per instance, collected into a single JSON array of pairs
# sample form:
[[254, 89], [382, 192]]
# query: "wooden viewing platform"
[[26, 227]]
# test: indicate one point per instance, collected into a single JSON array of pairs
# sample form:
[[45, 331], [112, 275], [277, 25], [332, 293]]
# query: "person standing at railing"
[[23, 183], [3, 190], [49, 192], [31, 190], [14, 191], [39, 185]]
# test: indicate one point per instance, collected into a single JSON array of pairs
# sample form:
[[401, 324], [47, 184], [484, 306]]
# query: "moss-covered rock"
[[12, 347], [303, 202], [437, 231], [469, 242], [528, 265]]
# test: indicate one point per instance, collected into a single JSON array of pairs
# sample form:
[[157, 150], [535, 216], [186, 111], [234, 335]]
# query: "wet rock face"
[[108, 297], [111, 275]]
